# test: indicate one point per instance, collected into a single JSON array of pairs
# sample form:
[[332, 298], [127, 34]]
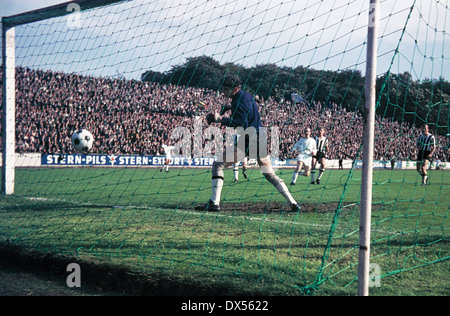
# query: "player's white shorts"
[[306, 159]]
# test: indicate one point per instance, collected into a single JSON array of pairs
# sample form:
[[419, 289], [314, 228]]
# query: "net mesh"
[[136, 72]]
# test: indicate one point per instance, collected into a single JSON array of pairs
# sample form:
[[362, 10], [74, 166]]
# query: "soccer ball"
[[82, 141]]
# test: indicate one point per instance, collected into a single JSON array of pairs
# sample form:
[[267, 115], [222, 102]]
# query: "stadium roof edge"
[[54, 11]]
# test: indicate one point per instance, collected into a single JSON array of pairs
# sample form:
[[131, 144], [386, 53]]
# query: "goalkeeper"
[[244, 116]]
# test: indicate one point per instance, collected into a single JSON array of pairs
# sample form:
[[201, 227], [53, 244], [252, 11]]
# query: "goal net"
[[142, 74]]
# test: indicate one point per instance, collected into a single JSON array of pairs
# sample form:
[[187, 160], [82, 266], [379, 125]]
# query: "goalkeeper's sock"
[[217, 185], [282, 188]]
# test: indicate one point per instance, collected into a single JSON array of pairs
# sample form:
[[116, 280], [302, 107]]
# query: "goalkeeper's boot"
[[296, 208], [209, 207]]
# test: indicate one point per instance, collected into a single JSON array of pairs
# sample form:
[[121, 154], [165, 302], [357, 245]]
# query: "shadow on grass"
[[122, 280]]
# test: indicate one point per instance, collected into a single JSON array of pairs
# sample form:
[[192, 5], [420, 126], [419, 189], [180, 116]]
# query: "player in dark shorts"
[[320, 157], [426, 145]]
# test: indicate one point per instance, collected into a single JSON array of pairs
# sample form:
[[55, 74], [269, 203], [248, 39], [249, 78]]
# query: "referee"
[[426, 144]]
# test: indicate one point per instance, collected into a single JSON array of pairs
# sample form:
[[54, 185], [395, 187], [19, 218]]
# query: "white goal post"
[[9, 109], [369, 136], [8, 68]]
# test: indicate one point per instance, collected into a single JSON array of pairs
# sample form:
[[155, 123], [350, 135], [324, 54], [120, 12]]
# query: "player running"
[[304, 149], [320, 156], [168, 156], [236, 170]]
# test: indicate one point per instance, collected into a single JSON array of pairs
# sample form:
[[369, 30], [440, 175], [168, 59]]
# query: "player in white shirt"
[[236, 170], [168, 155], [304, 149], [236, 165]]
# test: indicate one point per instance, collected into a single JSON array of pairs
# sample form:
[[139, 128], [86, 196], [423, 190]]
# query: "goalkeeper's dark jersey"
[[244, 112]]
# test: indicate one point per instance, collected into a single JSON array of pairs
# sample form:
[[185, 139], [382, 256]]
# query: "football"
[[82, 141]]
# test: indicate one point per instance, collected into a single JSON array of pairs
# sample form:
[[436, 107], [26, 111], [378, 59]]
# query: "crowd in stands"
[[134, 117]]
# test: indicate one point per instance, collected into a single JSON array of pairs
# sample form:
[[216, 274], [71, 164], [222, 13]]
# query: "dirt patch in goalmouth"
[[276, 207]]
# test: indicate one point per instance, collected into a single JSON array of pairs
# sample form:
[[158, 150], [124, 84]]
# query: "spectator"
[[133, 117]]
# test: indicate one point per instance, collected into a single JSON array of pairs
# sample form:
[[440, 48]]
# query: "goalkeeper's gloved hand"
[[211, 118], [224, 109]]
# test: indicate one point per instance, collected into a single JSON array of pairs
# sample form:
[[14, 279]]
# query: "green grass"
[[144, 219]]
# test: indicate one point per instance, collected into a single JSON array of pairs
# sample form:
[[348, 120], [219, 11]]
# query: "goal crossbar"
[[54, 11]]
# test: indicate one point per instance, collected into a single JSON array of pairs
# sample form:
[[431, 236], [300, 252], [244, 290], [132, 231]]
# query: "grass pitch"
[[144, 220]]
